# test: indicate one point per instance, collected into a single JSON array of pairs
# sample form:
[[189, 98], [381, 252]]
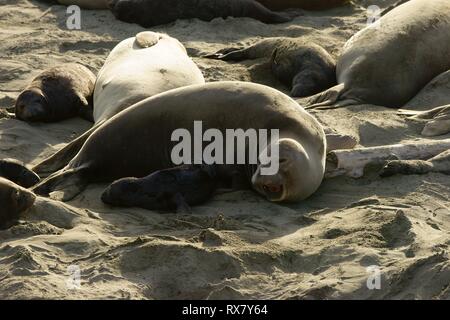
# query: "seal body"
[[137, 68], [388, 62], [56, 94], [140, 67], [14, 202], [115, 150], [17, 172], [149, 13], [305, 67], [175, 188], [302, 4]]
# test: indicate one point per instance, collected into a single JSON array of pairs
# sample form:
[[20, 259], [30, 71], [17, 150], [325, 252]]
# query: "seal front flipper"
[[63, 185], [181, 204]]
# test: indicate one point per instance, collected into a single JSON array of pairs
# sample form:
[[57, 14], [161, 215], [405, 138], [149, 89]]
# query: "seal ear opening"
[[63, 185]]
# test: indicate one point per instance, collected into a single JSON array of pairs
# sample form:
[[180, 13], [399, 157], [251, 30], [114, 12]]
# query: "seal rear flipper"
[[64, 185], [62, 157], [330, 99]]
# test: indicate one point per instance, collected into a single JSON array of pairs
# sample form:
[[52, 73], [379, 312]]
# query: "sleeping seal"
[[137, 68], [150, 13], [56, 94], [14, 202], [116, 149], [387, 63], [305, 67], [171, 189]]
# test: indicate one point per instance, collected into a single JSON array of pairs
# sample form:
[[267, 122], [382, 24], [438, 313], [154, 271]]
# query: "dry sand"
[[238, 245]]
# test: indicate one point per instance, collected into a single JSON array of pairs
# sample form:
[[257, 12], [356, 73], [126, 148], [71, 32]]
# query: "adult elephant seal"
[[116, 149], [150, 13], [388, 62], [137, 68], [306, 67], [302, 4], [56, 94], [14, 202]]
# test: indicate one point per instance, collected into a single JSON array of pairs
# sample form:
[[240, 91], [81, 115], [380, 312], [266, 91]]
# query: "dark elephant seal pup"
[[171, 189], [440, 164], [14, 202], [306, 67], [389, 62], [17, 172], [116, 149], [150, 13], [137, 68], [56, 94]]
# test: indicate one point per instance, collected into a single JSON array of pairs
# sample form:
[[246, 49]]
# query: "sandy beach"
[[237, 246]]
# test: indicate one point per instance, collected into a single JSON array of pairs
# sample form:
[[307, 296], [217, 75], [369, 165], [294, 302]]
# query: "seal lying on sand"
[[306, 67], [302, 4], [137, 68], [150, 13], [440, 163], [58, 93], [388, 62], [14, 202], [174, 188], [17, 172], [115, 150]]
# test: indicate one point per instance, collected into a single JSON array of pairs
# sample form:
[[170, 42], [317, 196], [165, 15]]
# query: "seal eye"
[[15, 195]]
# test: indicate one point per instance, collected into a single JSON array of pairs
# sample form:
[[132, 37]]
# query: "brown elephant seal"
[[388, 62], [440, 164], [171, 189], [116, 149], [17, 172], [302, 4], [305, 67], [150, 13], [137, 68], [14, 202], [56, 94]]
